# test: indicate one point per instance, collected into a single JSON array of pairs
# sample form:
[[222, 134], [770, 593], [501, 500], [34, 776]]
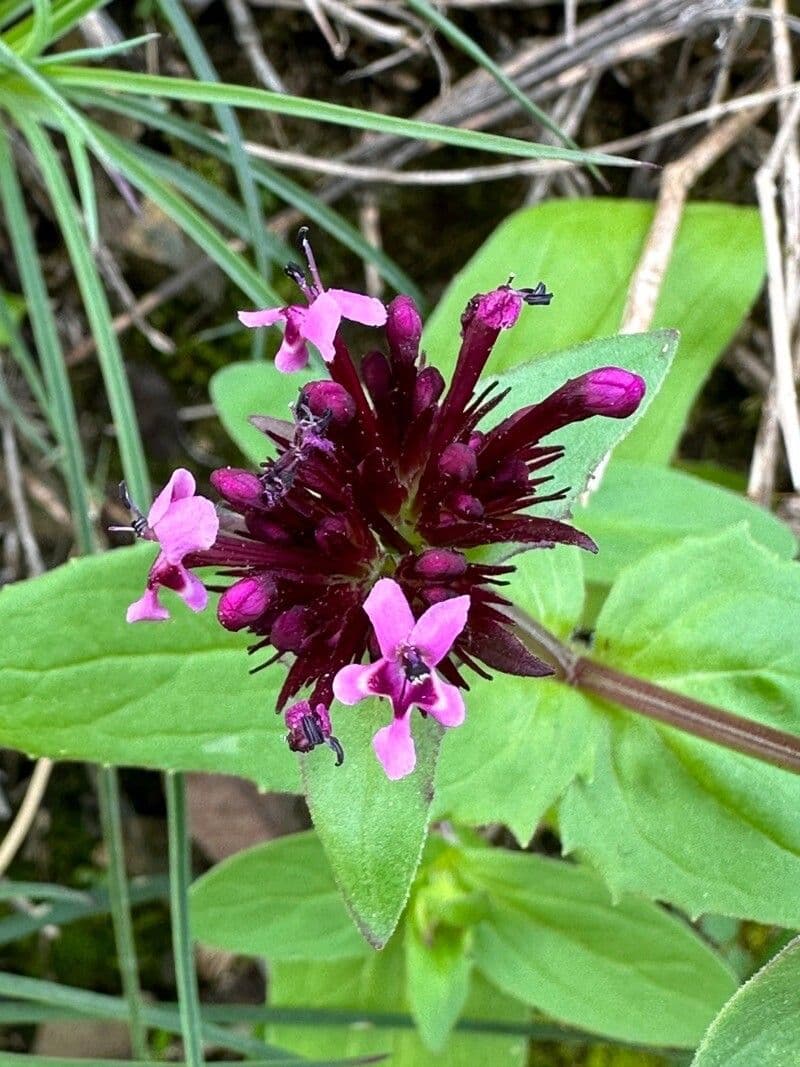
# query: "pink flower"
[[182, 523], [316, 323], [410, 650]]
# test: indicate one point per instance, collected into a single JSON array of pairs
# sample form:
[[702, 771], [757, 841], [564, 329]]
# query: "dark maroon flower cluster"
[[388, 473]]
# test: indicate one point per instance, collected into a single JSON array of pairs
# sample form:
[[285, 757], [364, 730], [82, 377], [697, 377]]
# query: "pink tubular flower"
[[405, 672], [317, 323], [182, 523]]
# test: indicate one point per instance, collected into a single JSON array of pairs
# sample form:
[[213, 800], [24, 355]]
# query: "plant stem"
[[179, 879], [684, 713], [120, 905]]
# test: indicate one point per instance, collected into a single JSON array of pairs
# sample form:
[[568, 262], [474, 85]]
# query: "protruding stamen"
[[336, 746], [305, 244], [139, 524]]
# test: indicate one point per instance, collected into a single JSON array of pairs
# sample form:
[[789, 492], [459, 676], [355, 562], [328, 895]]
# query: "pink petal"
[[267, 317], [192, 592], [448, 705], [321, 323], [292, 355], [390, 615], [147, 608], [188, 526], [351, 683], [394, 747], [436, 630], [359, 308], [180, 486]]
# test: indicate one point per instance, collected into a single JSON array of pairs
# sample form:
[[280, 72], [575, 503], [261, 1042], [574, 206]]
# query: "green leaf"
[[671, 816], [373, 829], [586, 443], [524, 739], [244, 389], [760, 1024], [78, 682], [555, 940], [641, 507], [437, 979], [377, 983], [277, 900], [586, 251]]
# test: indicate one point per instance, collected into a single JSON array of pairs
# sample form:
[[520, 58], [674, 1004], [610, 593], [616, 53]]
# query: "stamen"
[[414, 666], [139, 524], [538, 296], [335, 744], [305, 244]]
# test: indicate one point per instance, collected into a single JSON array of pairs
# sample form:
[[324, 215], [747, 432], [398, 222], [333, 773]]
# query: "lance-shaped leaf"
[[555, 940], [78, 682], [373, 829], [277, 900], [665, 814], [760, 1024]]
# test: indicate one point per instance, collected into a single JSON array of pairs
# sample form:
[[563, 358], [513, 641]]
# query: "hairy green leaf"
[[78, 682], [373, 829], [665, 814], [555, 940], [276, 900], [760, 1024]]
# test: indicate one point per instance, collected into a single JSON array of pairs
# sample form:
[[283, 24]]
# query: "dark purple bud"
[[428, 388], [612, 391], [240, 488], [377, 375], [291, 629], [459, 463], [466, 505], [511, 474], [333, 534], [245, 602], [476, 439], [322, 398], [403, 329], [266, 529], [439, 563], [310, 727]]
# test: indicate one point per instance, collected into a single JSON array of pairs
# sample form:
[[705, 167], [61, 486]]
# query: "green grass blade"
[[469, 47], [287, 190], [89, 55], [180, 877], [83, 176], [142, 891], [41, 28], [24, 359], [10, 10], [41, 891], [264, 245], [61, 405], [319, 110], [101, 1006], [97, 311], [64, 16], [190, 221]]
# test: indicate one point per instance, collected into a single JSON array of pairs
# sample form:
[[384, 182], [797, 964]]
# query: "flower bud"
[[438, 563], [240, 488], [244, 602], [498, 310], [291, 629], [301, 720], [459, 463], [612, 391], [428, 387], [377, 375], [403, 329], [333, 534], [466, 505], [264, 529], [323, 397]]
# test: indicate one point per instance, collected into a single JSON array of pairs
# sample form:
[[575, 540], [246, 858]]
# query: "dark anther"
[[536, 296], [313, 731], [302, 236], [295, 272], [334, 744], [139, 523], [414, 665]]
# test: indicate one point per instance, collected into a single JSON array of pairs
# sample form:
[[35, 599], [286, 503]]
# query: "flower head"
[[182, 523], [352, 550], [319, 321], [404, 672]]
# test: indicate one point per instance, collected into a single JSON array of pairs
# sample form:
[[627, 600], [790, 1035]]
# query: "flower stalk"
[[694, 717]]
